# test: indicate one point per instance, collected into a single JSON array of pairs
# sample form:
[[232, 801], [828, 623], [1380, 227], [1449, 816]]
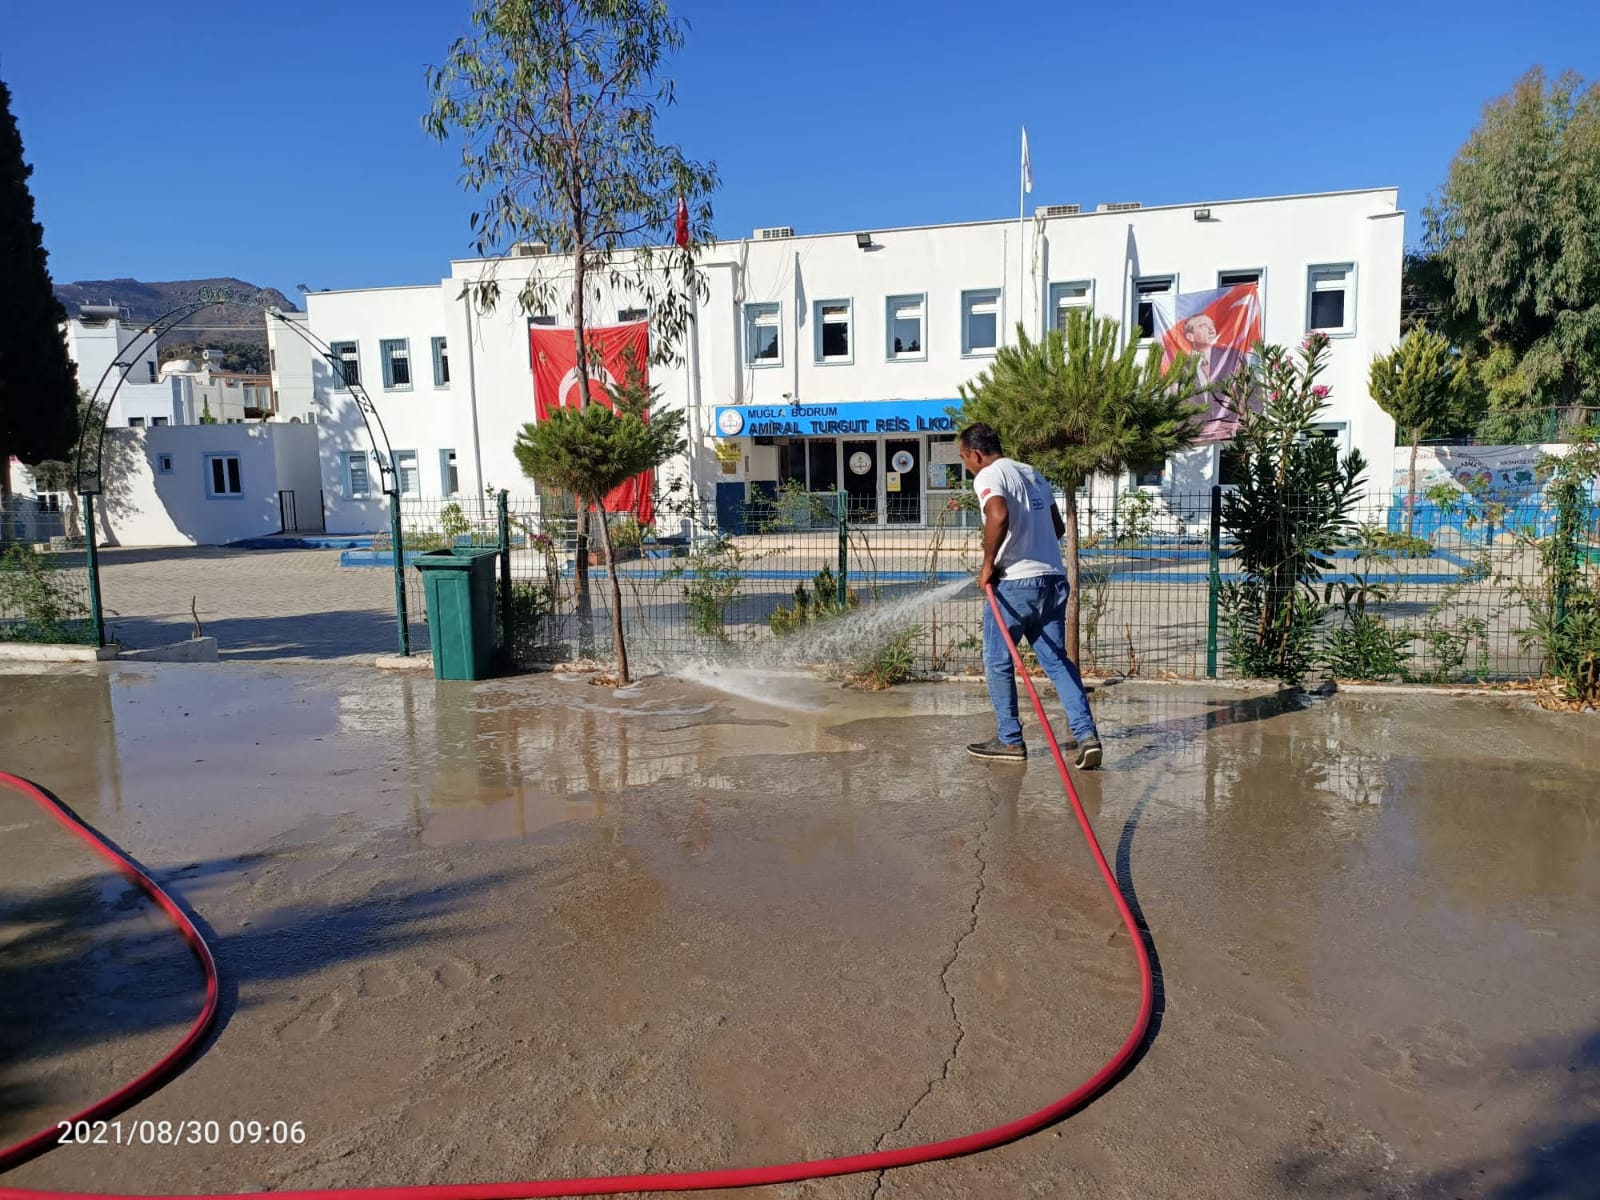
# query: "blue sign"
[[865, 418]]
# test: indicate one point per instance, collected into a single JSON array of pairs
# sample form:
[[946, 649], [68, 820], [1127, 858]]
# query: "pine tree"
[[38, 382], [1079, 403], [590, 452]]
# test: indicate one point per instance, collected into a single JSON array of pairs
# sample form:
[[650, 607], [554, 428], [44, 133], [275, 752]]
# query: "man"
[[1212, 362], [1022, 530]]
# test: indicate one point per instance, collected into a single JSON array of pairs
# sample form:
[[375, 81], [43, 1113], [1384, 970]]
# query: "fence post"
[[397, 547], [1214, 581], [504, 512], [96, 610], [844, 549]]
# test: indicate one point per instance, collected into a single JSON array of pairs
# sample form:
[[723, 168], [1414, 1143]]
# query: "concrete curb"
[[403, 662], [45, 652], [195, 650]]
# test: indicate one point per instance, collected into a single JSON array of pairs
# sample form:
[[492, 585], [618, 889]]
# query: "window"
[[794, 455], [980, 321], [1336, 432], [135, 422], [150, 366], [158, 420], [542, 319], [441, 363], [1064, 297], [1231, 465], [763, 336], [163, 464], [347, 365], [1328, 300], [833, 330], [449, 481], [396, 356], [272, 360], [905, 319], [357, 475], [405, 466], [1151, 477], [1228, 279], [628, 316], [1153, 293], [222, 475]]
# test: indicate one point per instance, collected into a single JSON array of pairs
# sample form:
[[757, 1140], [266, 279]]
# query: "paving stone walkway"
[[258, 604]]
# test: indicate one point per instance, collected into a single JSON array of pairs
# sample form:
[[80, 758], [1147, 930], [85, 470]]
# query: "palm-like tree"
[[1080, 403]]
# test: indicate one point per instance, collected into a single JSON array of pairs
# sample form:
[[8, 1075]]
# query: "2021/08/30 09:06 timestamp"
[[180, 1133]]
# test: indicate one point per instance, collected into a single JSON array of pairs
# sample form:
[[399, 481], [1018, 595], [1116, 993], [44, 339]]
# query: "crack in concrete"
[[944, 984]]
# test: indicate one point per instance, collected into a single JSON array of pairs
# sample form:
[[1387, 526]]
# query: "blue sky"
[[281, 142]]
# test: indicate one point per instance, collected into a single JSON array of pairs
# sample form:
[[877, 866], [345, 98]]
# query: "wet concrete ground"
[[536, 928]]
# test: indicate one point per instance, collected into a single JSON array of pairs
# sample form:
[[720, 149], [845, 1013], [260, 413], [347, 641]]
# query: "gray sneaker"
[[1002, 751], [1089, 753]]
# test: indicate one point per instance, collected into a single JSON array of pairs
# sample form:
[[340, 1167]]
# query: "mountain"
[[147, 301]]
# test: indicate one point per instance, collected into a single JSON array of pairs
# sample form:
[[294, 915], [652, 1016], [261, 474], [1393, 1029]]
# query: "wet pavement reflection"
[[656, 924]]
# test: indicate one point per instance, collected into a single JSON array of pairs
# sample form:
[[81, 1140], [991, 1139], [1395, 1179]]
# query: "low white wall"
[[142, 505]]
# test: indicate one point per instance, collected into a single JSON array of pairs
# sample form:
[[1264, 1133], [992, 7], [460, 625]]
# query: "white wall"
[[295, 448], [422, 417], [292, 361], [141, 506], [93, 347]]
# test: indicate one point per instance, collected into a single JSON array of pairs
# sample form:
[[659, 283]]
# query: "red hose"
[[45, 1139], [683, 1181]]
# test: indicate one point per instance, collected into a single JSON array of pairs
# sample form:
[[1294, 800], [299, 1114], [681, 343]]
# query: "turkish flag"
[[680, 224], [554, 353]]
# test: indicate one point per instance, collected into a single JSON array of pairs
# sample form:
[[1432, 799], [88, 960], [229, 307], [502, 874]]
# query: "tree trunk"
[[580, 580], [616, 603], [1411, 500], [1071, 564]]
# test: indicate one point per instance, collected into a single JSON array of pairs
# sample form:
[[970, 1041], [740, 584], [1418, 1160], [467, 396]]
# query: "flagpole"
[[1022, 236], [1024, 186]]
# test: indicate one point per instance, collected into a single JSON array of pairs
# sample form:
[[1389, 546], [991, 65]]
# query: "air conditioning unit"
[[774, 234], [1057, 210], [1125, 206], [530, 249]]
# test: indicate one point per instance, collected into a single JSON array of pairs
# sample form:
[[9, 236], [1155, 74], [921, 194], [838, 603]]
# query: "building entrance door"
[[902, 492], [861, 480]]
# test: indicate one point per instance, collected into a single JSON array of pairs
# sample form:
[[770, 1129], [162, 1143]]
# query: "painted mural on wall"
[[1498, 492]]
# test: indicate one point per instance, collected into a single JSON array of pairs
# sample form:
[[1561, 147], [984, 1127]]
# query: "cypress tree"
[[38, 382]]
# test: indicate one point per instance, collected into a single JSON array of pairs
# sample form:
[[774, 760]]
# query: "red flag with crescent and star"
[[554, 353]]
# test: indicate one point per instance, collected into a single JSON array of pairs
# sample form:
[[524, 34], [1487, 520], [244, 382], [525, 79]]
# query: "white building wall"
[[299, 470], [293, 362], [491, 392], [156, 489], [145, 396], [421, 418]]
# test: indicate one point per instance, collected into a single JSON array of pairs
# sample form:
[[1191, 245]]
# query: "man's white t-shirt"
[[1030, 547]]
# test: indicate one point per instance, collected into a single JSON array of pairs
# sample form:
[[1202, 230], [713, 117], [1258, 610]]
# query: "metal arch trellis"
[[88, 474]]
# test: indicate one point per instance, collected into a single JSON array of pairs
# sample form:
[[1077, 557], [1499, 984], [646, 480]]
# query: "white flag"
[[1027, 167]]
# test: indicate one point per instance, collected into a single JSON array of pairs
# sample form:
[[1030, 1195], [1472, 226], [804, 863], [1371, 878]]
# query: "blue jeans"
[[1035, 609]]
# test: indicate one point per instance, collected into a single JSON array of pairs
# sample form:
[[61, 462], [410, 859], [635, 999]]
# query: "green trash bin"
[[459, 586]]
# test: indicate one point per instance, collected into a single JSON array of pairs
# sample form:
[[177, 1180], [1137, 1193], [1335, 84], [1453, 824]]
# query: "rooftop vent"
[[1125, 206], [530, 249], [1057, 210], [774, 233]]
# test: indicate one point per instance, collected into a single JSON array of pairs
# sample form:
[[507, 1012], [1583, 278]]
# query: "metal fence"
[[1162, 589], [45, 591]]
